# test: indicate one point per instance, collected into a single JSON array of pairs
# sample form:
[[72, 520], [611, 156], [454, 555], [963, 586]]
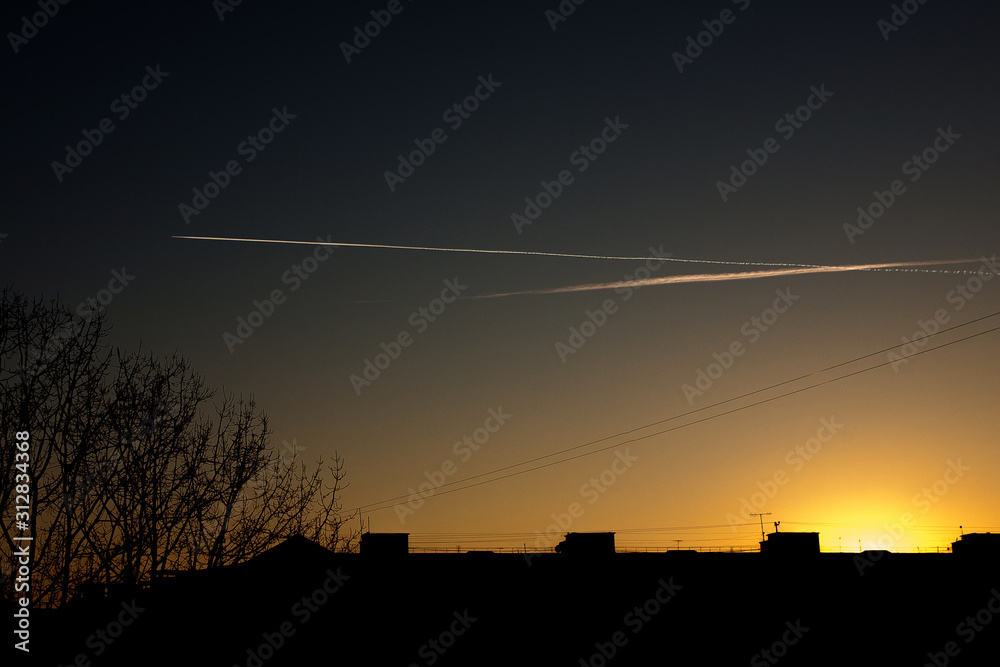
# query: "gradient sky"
[[889, 95]]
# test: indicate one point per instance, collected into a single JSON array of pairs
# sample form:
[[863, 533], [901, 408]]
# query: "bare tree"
[[132, 470], [260, 498], [147, 501], [51, 370]]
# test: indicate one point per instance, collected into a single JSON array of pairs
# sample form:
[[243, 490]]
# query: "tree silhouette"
[[51, 372], [132, 472]]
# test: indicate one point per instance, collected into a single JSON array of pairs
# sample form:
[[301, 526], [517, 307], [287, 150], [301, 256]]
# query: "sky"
[[744, 132]]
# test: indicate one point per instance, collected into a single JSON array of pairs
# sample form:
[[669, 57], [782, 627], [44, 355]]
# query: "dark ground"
[[481, 608]]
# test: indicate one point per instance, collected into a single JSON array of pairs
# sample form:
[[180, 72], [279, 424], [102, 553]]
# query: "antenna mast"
[[761, 515]]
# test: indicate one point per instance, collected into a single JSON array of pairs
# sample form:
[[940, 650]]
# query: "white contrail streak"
[[741, 275], [540, 253], [786, 268], [488, 252]]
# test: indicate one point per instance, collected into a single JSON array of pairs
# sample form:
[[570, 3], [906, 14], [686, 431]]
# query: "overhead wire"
[[380, 505]]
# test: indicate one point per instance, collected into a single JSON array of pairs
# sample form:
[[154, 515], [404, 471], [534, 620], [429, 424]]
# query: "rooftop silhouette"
[[584, 604]]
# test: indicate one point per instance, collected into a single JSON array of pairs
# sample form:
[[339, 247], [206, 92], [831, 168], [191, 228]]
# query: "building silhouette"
[[790, 544], [299, 604]]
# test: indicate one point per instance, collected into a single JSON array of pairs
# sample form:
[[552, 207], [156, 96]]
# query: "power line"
[[683, 414], [882, 526], [642, 538], [447, 535], [380, 505], [698, 421]]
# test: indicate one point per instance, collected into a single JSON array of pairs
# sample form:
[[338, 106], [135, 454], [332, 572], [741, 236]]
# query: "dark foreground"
[[301, 605]]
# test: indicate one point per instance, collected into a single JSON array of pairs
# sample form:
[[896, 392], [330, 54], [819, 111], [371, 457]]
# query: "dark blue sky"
[[323, 175]]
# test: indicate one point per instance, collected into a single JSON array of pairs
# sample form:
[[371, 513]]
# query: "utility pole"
[[761, 515]]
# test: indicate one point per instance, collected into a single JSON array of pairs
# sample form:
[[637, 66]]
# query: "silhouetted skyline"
[[586, 605], [735, 131]]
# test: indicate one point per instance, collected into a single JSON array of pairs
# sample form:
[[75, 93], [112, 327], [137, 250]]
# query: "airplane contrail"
[[739, 275], [490, 252], [786, 268], [572, 255]]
